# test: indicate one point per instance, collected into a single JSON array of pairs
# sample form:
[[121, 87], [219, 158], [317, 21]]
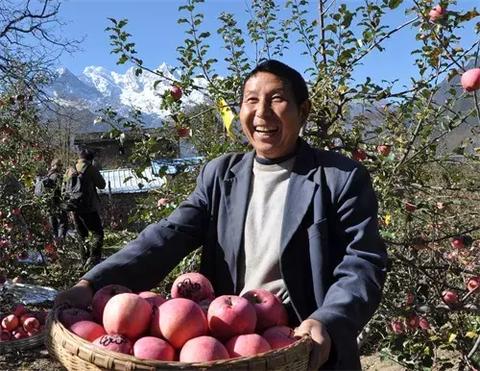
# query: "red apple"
[[183, 132], [436, 13], [162, 202], [230, 315], [471, 80], [383, 149], [19, 333], [127, 314], [450, 297], [397, 327], [247, 345], [423, 323], [194, 286], [150, 347], [279, 336], [176, 92], [153, 298], [410, 207], [412, 321], [458, 242], [10, 322], [71, 315], [359, 154], [30, 324], [270, 310], [203, 349], [115, 343], [473, 283], [87, 330], [179, 320], [102, 296], [19, 310]]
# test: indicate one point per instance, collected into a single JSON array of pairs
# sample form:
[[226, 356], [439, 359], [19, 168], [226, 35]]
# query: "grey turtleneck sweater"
[[259, 264]]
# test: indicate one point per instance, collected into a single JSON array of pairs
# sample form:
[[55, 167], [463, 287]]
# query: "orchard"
[[419, 143]]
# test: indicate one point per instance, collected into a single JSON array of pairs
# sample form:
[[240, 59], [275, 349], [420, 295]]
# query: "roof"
[[173, 166], [125, 181]]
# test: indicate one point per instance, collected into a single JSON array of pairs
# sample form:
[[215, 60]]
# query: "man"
[[87, 216], [298, 221]]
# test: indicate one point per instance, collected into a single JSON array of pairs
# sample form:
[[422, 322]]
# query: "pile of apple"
[[21, 323], [192, 326]]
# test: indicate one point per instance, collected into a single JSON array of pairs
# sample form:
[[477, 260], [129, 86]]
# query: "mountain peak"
[[98, 87]]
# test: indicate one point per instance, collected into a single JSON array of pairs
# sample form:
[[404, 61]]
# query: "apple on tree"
[[473, 283], [450, 297], [176, 92], [471, 80], [458, 242], [383, 149], [359, 154], [436, 13]]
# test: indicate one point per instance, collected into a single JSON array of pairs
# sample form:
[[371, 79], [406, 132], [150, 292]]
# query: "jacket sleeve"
[[97, 178], [358, 279], [145, 261]]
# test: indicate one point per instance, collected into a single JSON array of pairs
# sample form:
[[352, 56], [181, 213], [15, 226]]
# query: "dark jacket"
[[94, 180], [332, 258]]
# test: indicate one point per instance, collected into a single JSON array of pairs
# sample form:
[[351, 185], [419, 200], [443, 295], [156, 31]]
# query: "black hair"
[[284, 72], [86, 154]]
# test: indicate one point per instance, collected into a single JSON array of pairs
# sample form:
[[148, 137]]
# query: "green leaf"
[[392, 4]]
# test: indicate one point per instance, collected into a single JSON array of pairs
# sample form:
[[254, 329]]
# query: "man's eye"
[[252, 100], [277, 98]]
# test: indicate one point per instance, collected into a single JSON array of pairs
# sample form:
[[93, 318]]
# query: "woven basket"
[[27, 343], [77, 354]]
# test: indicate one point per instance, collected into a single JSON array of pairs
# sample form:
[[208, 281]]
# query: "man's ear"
[[305, 108]]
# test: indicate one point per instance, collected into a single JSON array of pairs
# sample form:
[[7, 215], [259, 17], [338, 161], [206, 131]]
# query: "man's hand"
[[78, 296], [322, 342]]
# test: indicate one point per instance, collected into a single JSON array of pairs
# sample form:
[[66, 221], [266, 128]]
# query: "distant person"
[[86, 213], [57, 216]]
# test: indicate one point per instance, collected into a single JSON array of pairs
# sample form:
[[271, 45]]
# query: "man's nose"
[[263, 109]]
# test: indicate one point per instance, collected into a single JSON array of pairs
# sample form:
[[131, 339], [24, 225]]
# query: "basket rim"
[[88, 348], [36, 339]]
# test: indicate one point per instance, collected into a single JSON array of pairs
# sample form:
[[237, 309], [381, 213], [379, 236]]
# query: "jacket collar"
[[237, 184]]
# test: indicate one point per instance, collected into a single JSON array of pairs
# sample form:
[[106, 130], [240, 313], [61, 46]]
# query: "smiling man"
[[297, 221]]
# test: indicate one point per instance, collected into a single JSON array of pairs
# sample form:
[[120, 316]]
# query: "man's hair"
[[284, 72], [86, 154]]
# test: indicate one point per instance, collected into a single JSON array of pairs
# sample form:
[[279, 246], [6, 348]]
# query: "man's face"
[[271, 119]]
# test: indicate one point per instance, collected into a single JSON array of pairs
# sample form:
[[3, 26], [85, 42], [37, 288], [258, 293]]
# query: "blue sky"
[[153, 25]]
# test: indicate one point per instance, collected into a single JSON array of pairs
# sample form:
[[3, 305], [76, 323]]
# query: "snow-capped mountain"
[[97, 88]]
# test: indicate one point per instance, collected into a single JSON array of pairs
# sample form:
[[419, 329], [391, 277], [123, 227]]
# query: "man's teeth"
[[265, 130]]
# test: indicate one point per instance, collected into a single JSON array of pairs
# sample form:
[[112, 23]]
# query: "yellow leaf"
[[388, 219], [342, 89], [471, 334], [452, 338], [227, 116]]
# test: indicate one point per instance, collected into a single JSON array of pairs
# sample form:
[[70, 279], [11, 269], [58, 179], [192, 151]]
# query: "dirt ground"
[[39, 360]]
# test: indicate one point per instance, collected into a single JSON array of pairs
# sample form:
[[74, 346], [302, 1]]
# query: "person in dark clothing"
[[58, 218], [298, 221], [87, 219]]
